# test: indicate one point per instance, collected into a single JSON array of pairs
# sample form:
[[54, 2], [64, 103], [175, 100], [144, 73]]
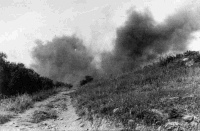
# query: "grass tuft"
[[17, 104], [42, 115], [21, 103], [5, 118]]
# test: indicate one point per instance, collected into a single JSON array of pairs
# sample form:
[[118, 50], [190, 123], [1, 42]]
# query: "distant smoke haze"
[[140, 40]]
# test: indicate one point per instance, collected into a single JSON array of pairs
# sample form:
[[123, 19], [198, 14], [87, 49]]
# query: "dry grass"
[[17, 104], [42, 115], [21, 103], [60, 102], [5, 118], [44, 94], [137, 93]]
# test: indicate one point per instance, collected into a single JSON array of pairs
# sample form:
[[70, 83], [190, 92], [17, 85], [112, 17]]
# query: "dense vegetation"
[[15, 79], [133, 95]]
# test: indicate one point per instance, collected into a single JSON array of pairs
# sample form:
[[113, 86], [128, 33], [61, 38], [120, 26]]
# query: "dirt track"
[[67, 119]]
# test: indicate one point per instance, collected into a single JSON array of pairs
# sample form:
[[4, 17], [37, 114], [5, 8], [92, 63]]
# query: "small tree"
[[2, 73]]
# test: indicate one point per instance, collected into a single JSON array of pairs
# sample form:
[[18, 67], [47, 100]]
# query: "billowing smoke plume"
[[63, 59], [139, 41], [142, 39]]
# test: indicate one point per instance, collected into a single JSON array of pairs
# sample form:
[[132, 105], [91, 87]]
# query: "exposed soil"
[[67, 119]]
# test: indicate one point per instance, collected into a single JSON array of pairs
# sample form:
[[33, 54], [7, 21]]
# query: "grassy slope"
[[136, 93]]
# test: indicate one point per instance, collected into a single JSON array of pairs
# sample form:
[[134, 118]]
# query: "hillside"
[[161, 96]]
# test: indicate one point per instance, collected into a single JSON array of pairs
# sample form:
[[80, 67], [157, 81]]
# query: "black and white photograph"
[[99, 65]]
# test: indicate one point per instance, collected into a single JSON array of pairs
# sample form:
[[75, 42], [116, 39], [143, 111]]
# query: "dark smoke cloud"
[[63, 59], [139, 41], [142, 39]]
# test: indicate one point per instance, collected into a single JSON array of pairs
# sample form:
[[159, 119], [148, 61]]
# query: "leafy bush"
[[17, 79], [86, 80]]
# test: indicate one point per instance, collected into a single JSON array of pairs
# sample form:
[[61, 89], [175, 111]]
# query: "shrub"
[[17, 79], [86, 80]]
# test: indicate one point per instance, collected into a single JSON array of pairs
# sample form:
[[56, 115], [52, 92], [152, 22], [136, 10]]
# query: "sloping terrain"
[[54, 113], [162, 96]]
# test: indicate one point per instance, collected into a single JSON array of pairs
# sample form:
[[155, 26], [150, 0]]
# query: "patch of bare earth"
[[64, 117]]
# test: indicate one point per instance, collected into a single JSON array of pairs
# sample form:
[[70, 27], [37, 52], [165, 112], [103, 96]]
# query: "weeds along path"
[[64, 118]]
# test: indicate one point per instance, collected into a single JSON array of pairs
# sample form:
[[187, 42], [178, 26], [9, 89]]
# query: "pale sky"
[[95, 21]]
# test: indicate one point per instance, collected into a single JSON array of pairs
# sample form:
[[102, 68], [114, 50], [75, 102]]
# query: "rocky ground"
[[175, 120]]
